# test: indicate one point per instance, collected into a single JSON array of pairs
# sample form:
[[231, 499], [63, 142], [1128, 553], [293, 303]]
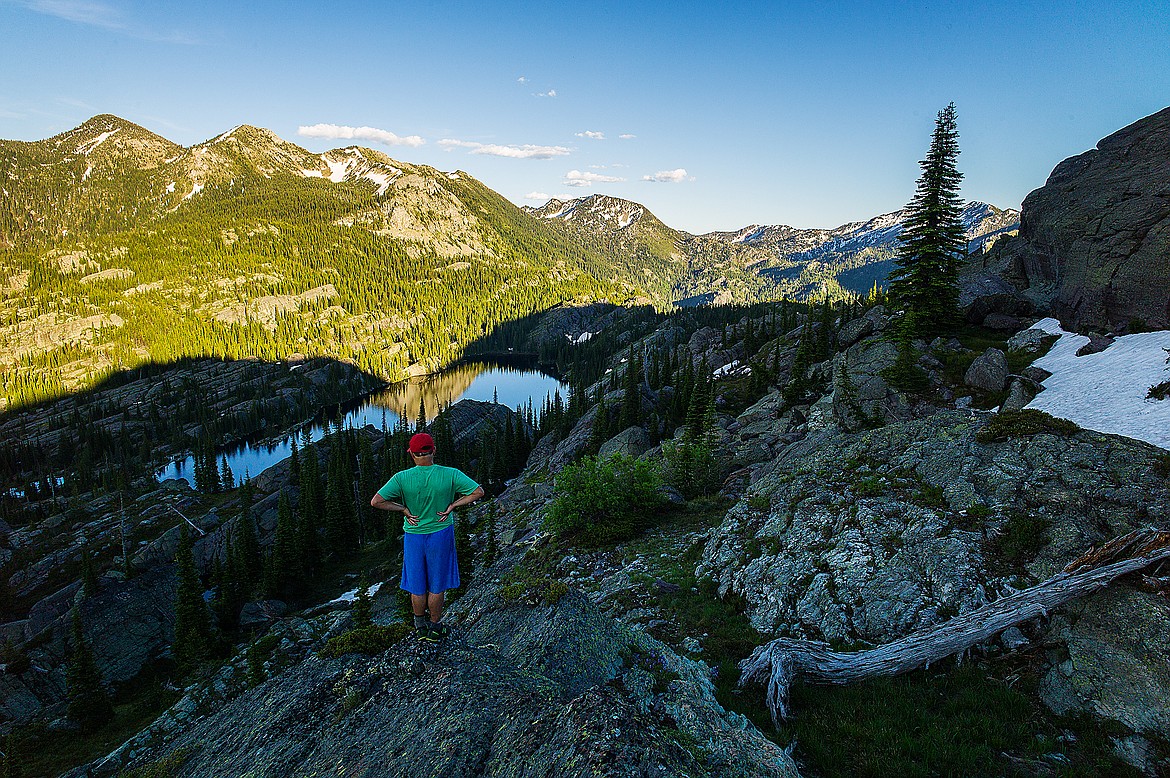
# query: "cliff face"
[[1095, 239]]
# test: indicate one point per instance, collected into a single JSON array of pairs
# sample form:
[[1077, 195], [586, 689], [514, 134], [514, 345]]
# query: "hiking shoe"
[[422, 631], [436, 633]]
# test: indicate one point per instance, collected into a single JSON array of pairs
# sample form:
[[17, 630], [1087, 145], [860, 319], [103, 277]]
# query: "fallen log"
[[779, 663]]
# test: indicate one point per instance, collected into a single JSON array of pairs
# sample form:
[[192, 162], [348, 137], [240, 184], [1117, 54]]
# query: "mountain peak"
[[613, 212], [106, 137]]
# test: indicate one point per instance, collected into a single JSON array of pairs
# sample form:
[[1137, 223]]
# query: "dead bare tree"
[[779, 663]]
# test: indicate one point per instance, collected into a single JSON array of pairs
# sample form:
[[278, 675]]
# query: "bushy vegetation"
[[1023, 423], [693, 467], [373, 639], [602, 501], [1020, 539], [1159, 391]]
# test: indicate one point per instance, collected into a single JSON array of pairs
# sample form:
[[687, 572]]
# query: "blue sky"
[[810, 114]]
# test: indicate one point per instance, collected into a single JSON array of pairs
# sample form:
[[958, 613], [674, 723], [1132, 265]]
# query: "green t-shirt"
[[425, 491]]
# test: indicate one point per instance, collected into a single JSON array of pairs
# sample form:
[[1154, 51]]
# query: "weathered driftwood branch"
[[778, 663]]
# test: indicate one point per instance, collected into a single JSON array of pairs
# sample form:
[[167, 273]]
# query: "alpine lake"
[[512, 383]]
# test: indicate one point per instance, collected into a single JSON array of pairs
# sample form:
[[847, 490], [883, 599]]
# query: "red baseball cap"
[[422, 443]]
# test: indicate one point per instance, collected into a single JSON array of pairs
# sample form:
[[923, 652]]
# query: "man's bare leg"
[[435, 603], [418, 604]]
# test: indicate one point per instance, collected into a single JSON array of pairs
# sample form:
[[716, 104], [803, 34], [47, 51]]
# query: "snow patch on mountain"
[[1106, 391], [338, 169], [89, 145], [195, 189]]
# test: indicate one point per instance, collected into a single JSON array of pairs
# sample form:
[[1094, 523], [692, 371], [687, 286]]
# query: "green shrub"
[[693, 468], [367, 640], [905, 375], [256, 655], [601, 501], [1029, 421], [872, 486], [1022, 538], [930, 496], [1159, 391], [533, 589], [1162, 465], [161, 768]]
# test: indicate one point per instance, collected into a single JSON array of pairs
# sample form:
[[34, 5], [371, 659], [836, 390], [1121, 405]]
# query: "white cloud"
[[103, 15], [80, 11], [537, 196], [522, 80], [342, 132], [580, 178], [627, 136], [676, 176], [591, 134], [525, 151], [549, 93]]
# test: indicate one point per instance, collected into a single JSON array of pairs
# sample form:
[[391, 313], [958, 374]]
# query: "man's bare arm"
[[466, 499], [382, 504]]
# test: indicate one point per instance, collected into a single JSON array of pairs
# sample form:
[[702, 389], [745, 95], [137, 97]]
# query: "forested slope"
[[119, 248]]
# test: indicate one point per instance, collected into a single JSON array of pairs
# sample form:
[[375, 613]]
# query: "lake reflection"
[[512, 386]]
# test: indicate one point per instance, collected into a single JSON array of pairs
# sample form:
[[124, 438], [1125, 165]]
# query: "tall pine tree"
[[933, 242], [192, 623], [89, 705]]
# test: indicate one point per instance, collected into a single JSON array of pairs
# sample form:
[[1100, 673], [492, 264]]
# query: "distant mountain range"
[[768, 260], [119, 247]]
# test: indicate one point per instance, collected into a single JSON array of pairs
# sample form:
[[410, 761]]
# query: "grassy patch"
[[872, 486], [1023, 423], [960, 722], [367, 640], [532, 582], [160, 768], [929, 496]]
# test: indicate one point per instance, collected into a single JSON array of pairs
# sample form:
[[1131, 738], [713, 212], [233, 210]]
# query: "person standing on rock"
[[426, 494]]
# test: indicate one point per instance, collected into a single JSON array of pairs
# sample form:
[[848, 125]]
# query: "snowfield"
[[1106, 391]]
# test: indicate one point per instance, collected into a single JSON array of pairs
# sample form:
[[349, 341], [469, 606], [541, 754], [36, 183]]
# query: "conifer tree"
[[89, 705], [632, 396], [13, 761], [284, 562], [340, 522], [192, 626], [363, 608], [227, 478], [89, 580], [933, 243]]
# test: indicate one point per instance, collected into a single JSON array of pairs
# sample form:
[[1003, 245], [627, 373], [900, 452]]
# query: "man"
[[426, 494]]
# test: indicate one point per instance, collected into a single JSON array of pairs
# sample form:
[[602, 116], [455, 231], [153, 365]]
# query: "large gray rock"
[[988, 372], [1118, 667], [861, 396], [632, 442], [1094, 239]]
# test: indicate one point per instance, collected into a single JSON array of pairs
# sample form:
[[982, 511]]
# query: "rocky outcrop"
[[1114, 667], [128, 625], [557, 689], [1094, 239], [870, 536]]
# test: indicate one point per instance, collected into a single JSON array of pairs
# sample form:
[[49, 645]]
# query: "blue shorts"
[[429, 563]]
